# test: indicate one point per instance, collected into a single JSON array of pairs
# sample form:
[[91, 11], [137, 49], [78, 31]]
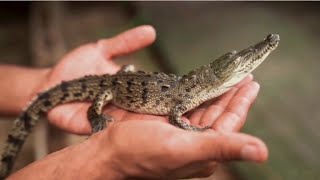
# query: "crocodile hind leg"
[[175, 119], [97, 119]]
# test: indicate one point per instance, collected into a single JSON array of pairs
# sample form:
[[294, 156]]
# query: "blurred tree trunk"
[[47, 47]]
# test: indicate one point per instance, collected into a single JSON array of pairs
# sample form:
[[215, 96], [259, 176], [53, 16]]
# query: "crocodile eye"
[[269, 36]]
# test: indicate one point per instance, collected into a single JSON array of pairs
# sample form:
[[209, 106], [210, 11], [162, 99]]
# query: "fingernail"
[[250, 152], [256, 84]]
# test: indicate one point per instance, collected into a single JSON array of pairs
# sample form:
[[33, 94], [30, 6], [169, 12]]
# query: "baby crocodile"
[[142, 92]]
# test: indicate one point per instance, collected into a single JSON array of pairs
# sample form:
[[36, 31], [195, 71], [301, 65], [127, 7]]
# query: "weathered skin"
[[141, 92]]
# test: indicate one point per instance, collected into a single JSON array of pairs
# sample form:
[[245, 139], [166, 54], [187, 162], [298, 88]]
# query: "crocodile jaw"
[[249, 59]]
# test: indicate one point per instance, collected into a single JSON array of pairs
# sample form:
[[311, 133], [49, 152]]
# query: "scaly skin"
[[151, 93]]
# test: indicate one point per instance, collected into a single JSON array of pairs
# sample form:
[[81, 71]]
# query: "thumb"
[[231, 146], [128, 41]]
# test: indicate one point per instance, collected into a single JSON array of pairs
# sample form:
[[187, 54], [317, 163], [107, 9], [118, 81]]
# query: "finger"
[[194, 170], [196, 116], [229, 146], [204, 171], [127, 42], [71, 117], [225, 98], [218, 106], [244, 81], [235, 113], [206, 114]]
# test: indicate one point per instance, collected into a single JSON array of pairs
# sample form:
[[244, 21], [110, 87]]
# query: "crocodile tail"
[[18, 134], [85, 88]]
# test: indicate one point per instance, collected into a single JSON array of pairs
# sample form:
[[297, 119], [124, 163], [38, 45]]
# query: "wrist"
[[88, 160], [18, 87], [37, 78], [99, 159]]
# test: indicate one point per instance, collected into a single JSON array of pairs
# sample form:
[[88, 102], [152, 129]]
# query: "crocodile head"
[[232, 67]]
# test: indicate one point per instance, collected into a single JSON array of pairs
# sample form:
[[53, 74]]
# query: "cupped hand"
[[156, 149], [92, 58]]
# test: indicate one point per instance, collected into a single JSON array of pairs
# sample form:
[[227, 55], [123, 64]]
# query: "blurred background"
[[286, 114]]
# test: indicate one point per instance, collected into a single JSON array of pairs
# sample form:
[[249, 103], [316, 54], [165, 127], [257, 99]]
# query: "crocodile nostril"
[[273, 38]]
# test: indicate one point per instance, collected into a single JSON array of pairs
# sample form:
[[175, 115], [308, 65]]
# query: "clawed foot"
[[99, 123]]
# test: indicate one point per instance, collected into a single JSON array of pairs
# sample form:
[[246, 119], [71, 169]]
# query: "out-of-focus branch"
[[47, 46], [157, 52]]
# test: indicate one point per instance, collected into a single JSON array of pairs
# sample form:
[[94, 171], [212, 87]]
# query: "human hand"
[[93, 58], [155, 150], [144, 149]]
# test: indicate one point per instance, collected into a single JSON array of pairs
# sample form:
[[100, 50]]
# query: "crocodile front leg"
[[175, 119], [97, 119]]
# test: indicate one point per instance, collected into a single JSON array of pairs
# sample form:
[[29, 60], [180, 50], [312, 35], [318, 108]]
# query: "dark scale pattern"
[[193, 86], [77, 94], [102, 83], [64, 97], [14, 140], [144, 96], [91, 93], [7, 161], [128, 98], [114, 81], [137, 106], [44, 96], [165, 88], [129, 86], [64, 86], [47, 103], [144, 83], [188, 96], [84, 87], [26, 119]]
